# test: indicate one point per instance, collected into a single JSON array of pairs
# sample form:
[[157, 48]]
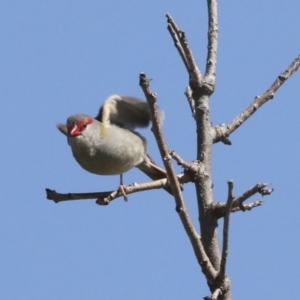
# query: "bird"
[[108, 144]]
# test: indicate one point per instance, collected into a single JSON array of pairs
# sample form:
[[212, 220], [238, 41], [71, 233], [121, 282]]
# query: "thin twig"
[[258, 188], [247, 206], [108, 196], [58, 197], [192, 167], [238, 203], [184, 50], [222, 131], [189, 97], [194, 237], [212, 47], [174, 32], [230, 198]]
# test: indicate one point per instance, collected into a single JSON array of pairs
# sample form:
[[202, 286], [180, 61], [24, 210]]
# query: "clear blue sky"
[[63, 57]]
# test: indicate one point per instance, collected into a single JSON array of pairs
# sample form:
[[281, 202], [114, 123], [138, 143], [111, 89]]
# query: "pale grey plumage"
[[124, 111], [106, 147], [112, 152]]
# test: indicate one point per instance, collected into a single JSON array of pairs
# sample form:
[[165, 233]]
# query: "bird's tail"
[[152, 170]]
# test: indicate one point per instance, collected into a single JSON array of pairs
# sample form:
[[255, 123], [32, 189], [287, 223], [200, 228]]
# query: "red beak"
[[74, 130]]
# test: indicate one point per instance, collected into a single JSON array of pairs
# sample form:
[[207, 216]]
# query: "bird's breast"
[[115, 153]]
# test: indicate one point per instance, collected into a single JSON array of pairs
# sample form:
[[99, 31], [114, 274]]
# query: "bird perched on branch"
[[108, 144]]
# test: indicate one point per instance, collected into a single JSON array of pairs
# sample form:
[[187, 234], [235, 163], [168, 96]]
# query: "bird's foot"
[[123, 191]]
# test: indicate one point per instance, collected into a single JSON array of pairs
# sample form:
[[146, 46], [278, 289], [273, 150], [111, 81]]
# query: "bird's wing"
[[124, 111]]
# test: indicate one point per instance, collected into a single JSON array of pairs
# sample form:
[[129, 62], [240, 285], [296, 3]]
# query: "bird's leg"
[[122, 188]]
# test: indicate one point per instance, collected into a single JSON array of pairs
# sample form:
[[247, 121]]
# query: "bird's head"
[[75, 126]]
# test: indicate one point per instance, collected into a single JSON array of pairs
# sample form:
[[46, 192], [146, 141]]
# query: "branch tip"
[[181, 44], [238, 202], [266, 192], [225, 131]]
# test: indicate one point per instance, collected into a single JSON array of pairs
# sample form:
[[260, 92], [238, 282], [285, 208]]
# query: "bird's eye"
[[85, 122]]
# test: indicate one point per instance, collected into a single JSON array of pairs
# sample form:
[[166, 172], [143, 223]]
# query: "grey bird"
[[108, 144]]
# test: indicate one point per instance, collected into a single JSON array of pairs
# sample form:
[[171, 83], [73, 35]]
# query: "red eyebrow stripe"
[[87, 120]]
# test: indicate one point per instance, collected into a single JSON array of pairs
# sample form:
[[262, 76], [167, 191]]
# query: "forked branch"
[[219, 209], [184, 50], [222, 131]]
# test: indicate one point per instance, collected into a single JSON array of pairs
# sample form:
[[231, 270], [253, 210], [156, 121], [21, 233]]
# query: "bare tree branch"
[[225, 130], [192, 167], [189, 97], [151, 99], [222, 271], [58, 197], [212, 47], [185, 52], [258, 188], [219, 209], [181, 208], [175, 34], [247, 206], [108, 196], [201, 87], [201, 92]]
